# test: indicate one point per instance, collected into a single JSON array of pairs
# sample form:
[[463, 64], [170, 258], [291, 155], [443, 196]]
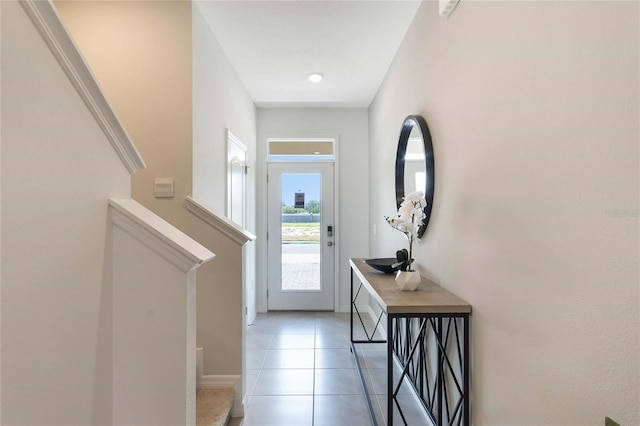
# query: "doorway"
[[236, 180], [300, 236]]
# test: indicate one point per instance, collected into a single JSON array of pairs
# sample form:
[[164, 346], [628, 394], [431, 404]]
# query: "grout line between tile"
[[315, 364]]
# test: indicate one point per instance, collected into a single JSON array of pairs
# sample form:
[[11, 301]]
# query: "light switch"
[[163, 187]]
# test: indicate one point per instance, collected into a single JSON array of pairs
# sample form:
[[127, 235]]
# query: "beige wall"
[[533, 109], [140, 53], [58, 171]]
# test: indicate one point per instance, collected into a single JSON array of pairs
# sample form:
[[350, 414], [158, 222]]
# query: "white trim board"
[[221, 223], [234, 142], [45, 18], [157, 234]]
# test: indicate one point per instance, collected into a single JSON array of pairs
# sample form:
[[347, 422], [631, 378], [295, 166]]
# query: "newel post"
[[153, 275]]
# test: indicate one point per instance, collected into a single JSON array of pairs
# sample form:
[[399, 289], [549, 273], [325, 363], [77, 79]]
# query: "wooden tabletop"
[[428, 298]]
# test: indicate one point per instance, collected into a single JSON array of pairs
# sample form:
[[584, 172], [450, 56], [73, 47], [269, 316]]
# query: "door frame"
[[233, 141], [261, 220], [300, 167]]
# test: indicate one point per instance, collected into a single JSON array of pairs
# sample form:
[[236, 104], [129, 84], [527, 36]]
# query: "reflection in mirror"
[[414, 163]]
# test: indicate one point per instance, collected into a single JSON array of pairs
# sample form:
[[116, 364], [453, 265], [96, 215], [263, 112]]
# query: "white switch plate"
[[163, 187]]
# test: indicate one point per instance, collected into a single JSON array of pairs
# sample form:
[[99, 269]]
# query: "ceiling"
[[274, 45]]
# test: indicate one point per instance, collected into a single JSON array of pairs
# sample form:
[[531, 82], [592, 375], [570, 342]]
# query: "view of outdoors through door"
[[300, 231], [300, 237]]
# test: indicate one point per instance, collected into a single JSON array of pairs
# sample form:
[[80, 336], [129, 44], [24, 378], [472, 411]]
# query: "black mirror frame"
[[405, 131]]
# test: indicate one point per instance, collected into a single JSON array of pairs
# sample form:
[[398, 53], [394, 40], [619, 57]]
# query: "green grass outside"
[[308, 232], [301, 225]]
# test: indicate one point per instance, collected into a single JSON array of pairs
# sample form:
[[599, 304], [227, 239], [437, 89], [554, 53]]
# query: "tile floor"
[[300, 371]]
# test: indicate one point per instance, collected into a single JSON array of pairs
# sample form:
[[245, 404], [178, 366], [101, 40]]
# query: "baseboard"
[[199, 365], [224, 382], [245, 403], [251, 318]]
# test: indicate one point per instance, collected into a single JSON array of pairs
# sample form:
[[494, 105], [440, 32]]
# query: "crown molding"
[[45, 18], [158, 234], [221, 223]]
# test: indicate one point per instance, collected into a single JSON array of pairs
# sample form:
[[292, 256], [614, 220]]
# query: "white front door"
[[301, 236]]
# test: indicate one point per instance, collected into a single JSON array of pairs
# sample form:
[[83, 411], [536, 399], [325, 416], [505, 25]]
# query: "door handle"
[[330, 243]]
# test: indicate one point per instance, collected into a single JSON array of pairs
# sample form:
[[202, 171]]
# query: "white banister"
[[45, 18], [162, 237], [219, 222], [222, 304], [153, 277]]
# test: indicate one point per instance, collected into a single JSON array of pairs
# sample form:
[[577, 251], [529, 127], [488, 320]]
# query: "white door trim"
[[262, 148], [233, 146], [302, 299]]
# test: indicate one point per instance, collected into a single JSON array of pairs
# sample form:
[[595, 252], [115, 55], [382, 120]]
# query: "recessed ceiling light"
[[315, 77]]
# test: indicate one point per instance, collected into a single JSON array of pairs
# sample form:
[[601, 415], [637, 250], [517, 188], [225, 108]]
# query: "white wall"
[[533, 109], [153, 366], [221, 102], [349, 127], [58, 171]]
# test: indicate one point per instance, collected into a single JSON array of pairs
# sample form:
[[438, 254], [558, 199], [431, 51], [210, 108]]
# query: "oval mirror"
[[414, 164]]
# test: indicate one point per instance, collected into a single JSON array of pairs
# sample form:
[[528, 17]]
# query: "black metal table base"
[[432, 351]]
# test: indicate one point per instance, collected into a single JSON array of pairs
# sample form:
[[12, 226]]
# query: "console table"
[[427, 335]]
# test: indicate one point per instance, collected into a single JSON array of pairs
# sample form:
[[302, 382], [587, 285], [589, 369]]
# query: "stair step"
[[213, 406]]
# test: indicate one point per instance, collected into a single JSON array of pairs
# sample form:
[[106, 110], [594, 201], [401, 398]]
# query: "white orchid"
[[410, 219]]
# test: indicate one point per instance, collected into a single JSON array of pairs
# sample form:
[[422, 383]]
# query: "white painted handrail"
[[160, 236], [219, 222], [45, 18]]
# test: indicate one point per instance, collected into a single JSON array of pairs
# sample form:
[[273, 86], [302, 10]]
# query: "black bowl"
[[384, 264]]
